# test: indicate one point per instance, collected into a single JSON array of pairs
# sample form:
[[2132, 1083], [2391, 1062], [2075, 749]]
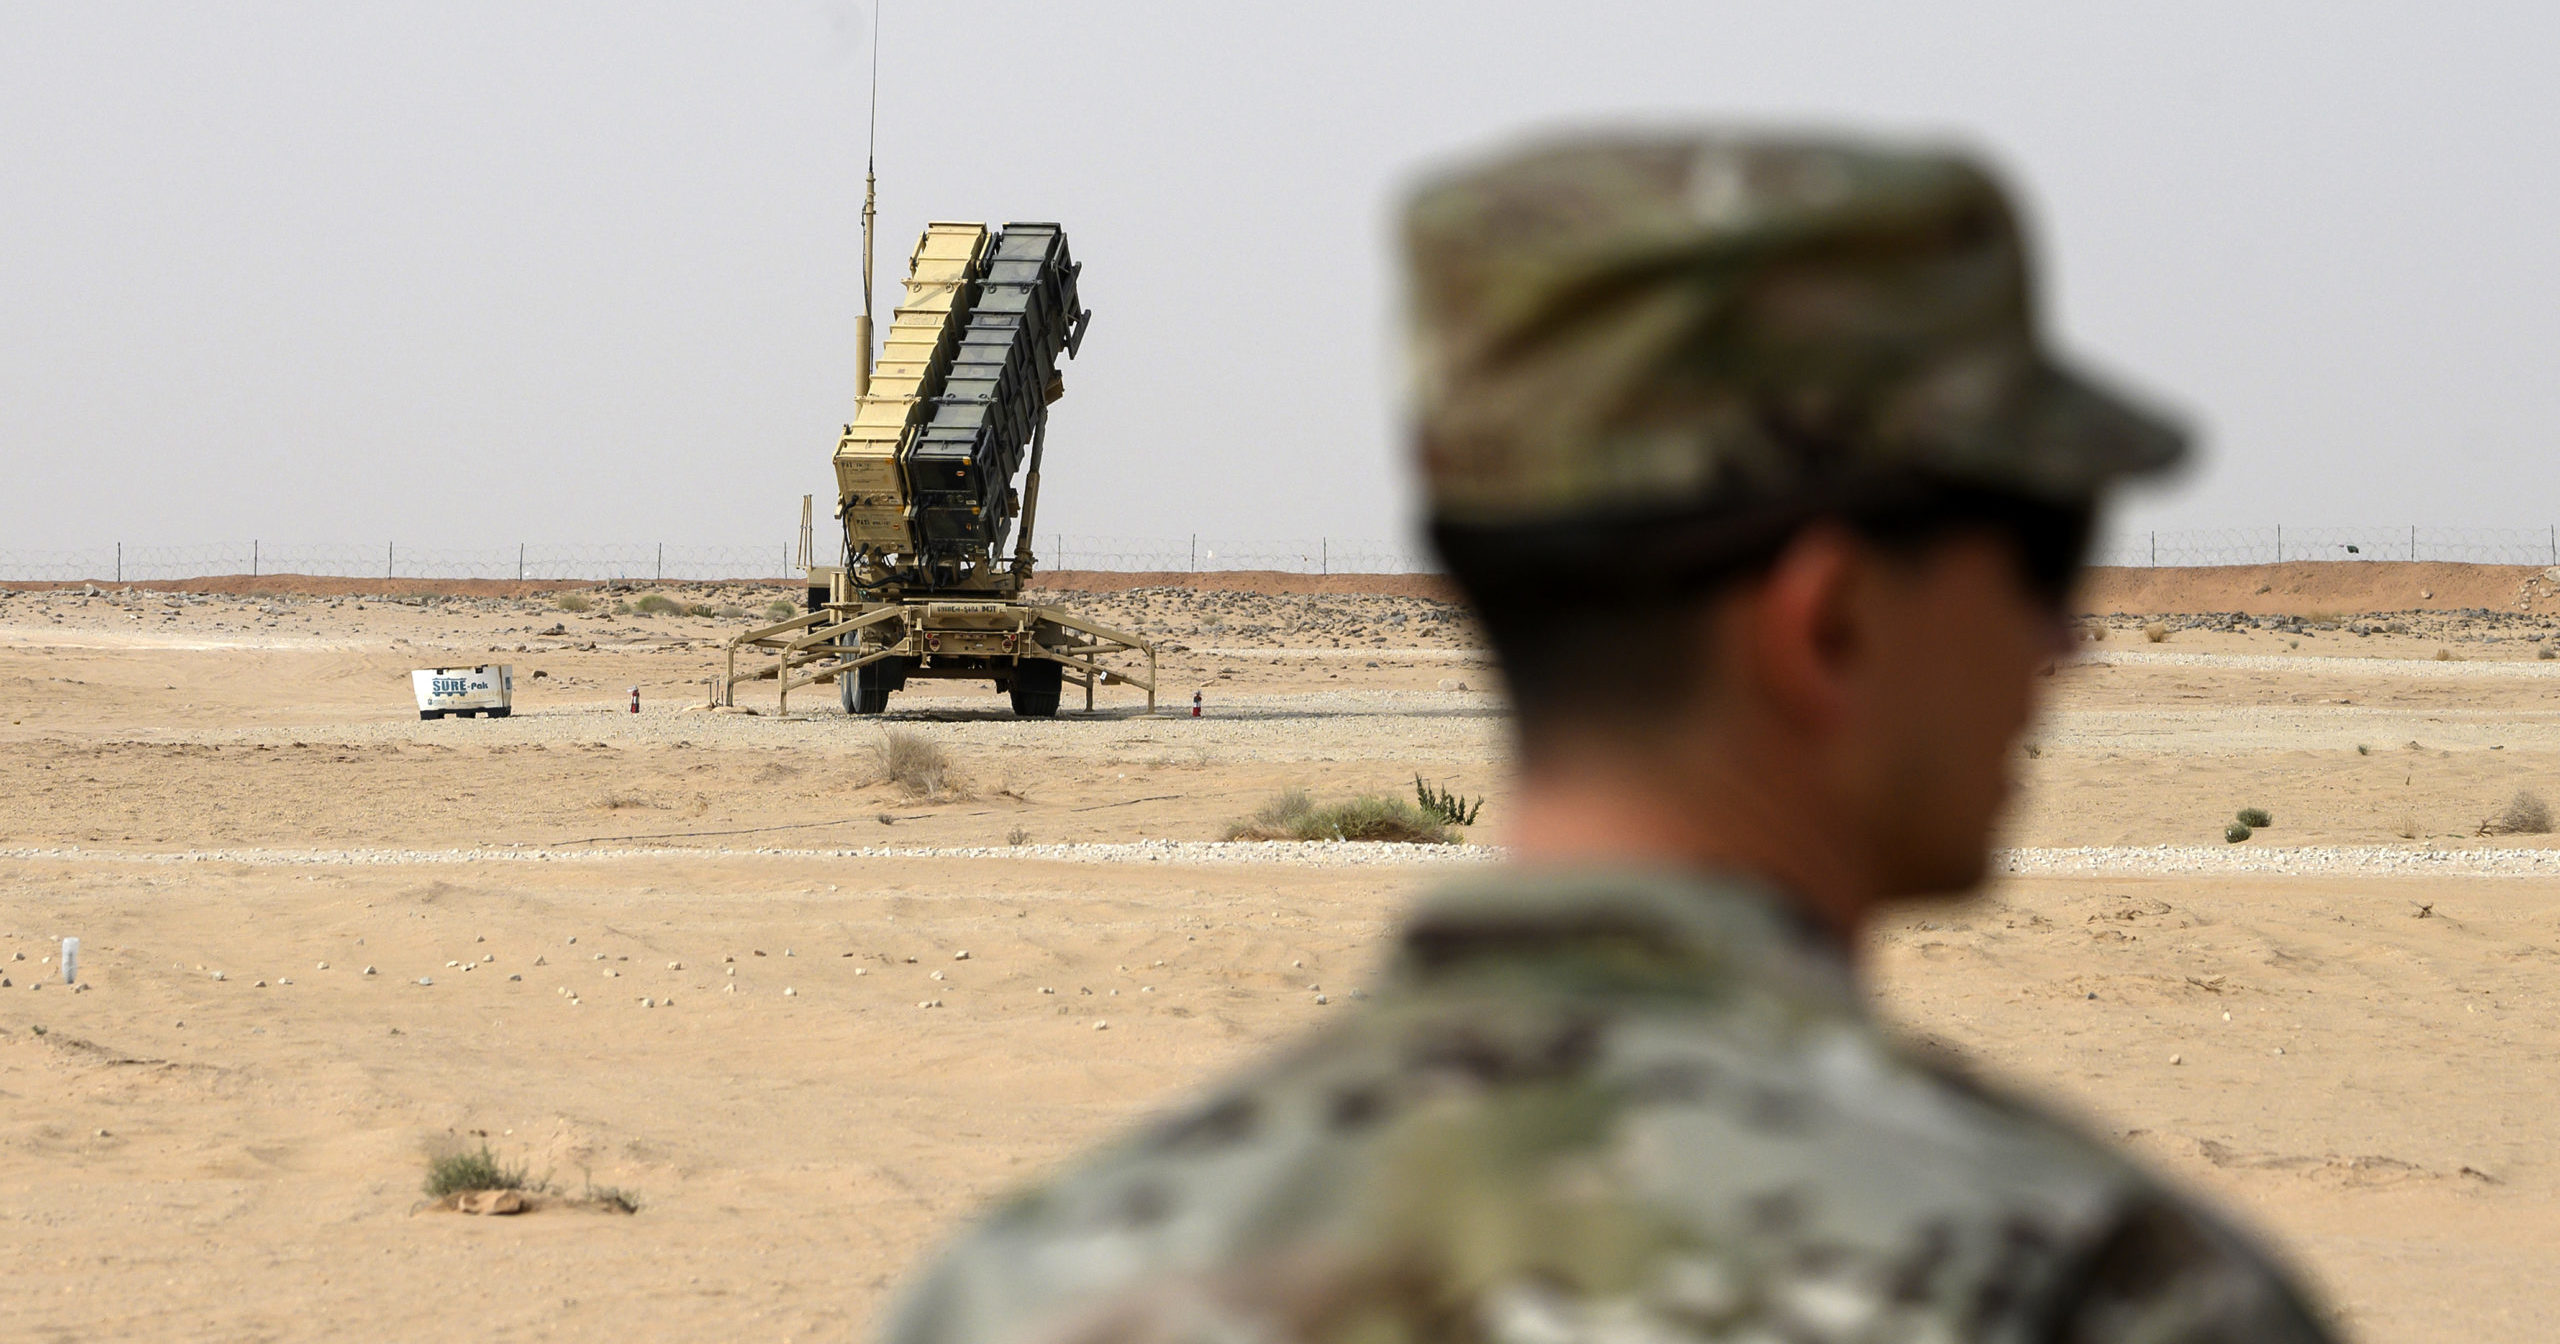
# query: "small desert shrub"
[[454, 1173], [621, 608], [2256, 818], [732, 613], [698, 609], [912, 761], [1017, 836], [610, 1199], [2444, 655], [2525, 814], [657, 604], [576, 602], [1275, 820], [2157, 632], [780, 610], [2236, 832], [623, 801], [1447, 806], [2363, 750], [2548, 652], [1295, 816]]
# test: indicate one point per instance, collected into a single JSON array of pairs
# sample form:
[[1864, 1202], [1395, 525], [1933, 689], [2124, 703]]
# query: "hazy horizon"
[[587, 273]]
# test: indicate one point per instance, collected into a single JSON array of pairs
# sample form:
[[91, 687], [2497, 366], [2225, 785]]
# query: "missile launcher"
[[955, 409], [961, 397]]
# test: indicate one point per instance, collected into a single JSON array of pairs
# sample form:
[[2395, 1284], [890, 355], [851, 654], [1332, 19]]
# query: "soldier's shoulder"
[[1555, 1166]]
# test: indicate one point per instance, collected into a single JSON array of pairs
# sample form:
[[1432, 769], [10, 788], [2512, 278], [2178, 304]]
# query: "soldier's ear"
[[1799, 628]]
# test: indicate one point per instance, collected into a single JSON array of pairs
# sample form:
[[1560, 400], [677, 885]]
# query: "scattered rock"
[[490, 1202], [368, 970]]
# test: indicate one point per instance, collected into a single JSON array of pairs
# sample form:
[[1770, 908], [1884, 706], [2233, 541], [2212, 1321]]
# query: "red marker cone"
[[1195, 704], [635, 699]]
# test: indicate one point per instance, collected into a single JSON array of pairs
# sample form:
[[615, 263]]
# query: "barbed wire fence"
[[654, 561], [2277, 545]]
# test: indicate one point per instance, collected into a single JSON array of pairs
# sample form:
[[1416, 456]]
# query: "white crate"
[[489, 689]]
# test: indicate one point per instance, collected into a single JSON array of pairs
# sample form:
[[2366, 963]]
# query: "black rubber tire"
[[1036, 682], [431, 713], [865, 690], [501, 713]]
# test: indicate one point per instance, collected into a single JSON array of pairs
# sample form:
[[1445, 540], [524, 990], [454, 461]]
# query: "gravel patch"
[[1439, 727], [2278, 861], [2079, 861], [2417, 668], [1289, 853]]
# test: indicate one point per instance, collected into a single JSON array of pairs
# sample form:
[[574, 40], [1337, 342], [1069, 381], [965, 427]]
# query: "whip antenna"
[[870, 189]]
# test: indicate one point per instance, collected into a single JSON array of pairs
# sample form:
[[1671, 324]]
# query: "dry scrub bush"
[[455, 1173], [2525, 814], [658, 604], [2157, 632], [576, 602], [2256, 818], [625, 800], [779, 610], [1295, 816], [914, 762]]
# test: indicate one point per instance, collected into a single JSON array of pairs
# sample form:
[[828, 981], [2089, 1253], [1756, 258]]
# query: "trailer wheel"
[[866, 689], [1035, 688]]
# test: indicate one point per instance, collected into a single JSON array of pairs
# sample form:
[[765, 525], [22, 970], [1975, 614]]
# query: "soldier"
[[1748, 455]]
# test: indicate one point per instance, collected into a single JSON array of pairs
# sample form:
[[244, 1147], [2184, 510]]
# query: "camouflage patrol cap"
[[1646, 323]]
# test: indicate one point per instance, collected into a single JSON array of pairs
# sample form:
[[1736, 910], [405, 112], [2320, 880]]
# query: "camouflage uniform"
[[1641, 1106]]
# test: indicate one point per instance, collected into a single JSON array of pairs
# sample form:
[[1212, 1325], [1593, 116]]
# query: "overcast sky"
[[468, 274]]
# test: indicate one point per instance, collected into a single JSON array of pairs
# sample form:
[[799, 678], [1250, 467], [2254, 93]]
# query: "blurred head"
[[1748, 456]]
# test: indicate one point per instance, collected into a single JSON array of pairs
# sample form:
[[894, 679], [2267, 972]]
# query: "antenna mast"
[[870, 187]]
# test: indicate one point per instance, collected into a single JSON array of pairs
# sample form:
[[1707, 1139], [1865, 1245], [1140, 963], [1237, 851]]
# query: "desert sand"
[[707, 959]]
